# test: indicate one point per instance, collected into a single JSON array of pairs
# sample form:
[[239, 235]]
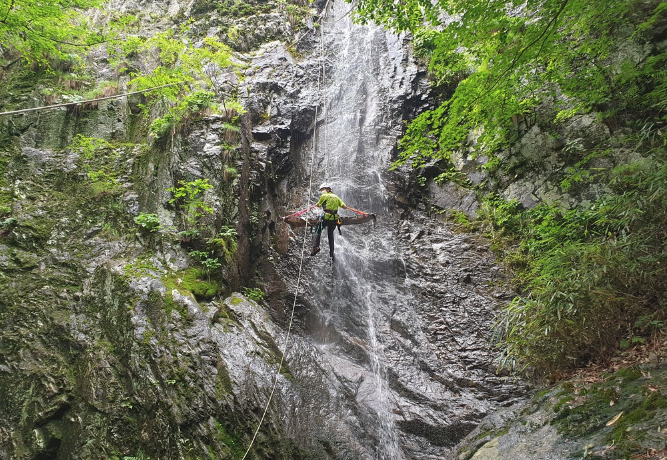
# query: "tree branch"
[[521, 53], [33, 31], [11, 63], [11, 7]]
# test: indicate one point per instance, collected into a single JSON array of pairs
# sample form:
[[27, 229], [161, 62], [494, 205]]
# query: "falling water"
[[354, 142]]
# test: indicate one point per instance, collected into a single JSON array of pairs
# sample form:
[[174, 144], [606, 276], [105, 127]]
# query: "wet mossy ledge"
[[603, 415]]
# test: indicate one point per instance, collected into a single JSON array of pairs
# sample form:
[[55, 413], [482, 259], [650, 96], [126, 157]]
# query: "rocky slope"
[[615, 413]]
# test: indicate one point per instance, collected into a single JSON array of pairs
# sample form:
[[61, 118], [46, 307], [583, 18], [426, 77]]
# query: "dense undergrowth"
[[593, 279]]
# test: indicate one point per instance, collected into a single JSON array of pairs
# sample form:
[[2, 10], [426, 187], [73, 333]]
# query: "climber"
[[330, 204]]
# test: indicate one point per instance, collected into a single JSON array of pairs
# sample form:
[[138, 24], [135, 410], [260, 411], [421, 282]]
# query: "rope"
[[298, 278], [324, 102], [13, 112], [284, 351], [357, 211], [299, 213]]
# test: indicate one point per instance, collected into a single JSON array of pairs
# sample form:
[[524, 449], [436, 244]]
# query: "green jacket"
[[330, 203]]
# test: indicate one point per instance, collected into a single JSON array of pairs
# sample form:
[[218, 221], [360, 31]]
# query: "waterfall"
[[391, 347], [356, 135]]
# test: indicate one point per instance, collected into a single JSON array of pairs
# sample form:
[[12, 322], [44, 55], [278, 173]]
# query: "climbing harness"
[[295, 220]]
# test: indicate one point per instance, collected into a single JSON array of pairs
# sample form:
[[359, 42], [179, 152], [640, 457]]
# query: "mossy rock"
[[619, 411], [192, 281]]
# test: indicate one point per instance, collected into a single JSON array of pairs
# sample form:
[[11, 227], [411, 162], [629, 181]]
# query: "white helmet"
[[325, 185]]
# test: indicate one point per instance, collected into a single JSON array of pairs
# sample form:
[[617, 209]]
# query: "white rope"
[[65, 104], [324, 103], [287, 337], [303, 253]]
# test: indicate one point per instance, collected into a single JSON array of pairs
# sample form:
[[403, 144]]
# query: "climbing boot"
[[314, 251]]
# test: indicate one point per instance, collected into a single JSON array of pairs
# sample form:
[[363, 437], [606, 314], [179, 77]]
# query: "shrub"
[[255, 294], [209, 262], [224, 243], [189, 196], [593, 276], [148, 222]]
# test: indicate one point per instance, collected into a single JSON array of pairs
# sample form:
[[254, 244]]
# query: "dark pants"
[[330, 226]]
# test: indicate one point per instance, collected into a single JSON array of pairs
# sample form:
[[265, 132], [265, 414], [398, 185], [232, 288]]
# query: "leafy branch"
[[518, 56], [39, 31]]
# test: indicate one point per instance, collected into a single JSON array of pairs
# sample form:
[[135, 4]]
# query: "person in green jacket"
[[330, 204]]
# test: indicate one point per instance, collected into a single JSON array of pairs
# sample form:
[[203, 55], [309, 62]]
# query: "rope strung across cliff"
[[66, 104], [303, 253]]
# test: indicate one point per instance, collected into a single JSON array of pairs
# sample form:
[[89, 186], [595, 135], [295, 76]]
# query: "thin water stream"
[[353, 148]]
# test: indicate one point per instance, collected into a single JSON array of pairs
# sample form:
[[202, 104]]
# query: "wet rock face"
[[284, 107], [410, 352], [104, 348], [399, 324], [112, 366]]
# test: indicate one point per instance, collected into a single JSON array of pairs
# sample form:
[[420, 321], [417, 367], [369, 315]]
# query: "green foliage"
[[8, 223], [297, 13], [185, 78], [209, 263], [229, 173], [591, 276], [460, 219], [255, 294], [89, 147], [455, 176], [228, 232], [148, 222], [180, 116], [581, 173], [41, 32], [494, 62], [189, 196], [224, 243]]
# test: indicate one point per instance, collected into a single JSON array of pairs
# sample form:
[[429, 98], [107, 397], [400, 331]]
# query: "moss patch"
[[223, 383], [593, 411], [231, 440], [191, 281], [236, 300], [274, 354]]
